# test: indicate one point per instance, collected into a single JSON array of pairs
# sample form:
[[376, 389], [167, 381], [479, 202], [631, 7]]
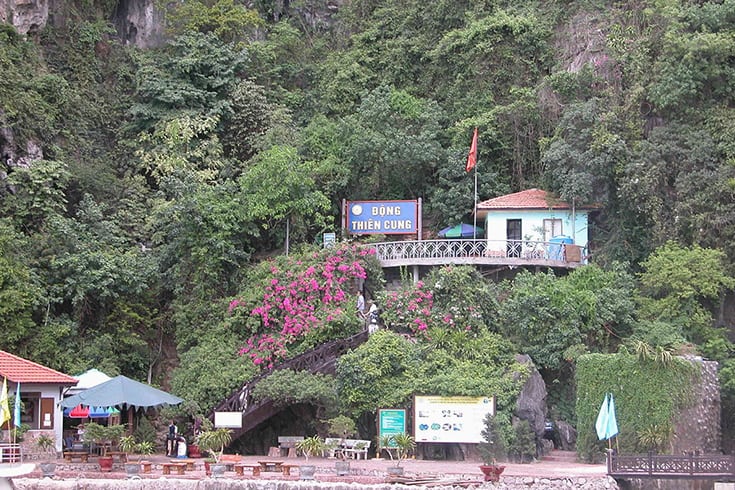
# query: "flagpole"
[[474, 210]]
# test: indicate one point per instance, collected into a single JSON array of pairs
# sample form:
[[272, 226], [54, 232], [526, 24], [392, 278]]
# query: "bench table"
[[286, 468]]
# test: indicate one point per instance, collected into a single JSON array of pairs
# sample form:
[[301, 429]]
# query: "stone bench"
[[286, 468], [70, 455], [180, 468], [120, 455], [189, 463], [241, 467]]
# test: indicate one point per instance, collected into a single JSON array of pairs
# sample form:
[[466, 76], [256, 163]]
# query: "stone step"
[[559, 455]]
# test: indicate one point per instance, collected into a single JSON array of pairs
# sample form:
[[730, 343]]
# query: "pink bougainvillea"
[[300, 297], [411, 307]]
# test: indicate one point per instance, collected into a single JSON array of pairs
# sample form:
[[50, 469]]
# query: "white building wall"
[[532, 225], [57, 415]]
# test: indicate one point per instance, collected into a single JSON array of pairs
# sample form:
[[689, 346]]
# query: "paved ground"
[[361, 471]]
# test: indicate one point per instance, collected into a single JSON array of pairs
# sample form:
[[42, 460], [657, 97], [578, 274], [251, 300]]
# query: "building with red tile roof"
[[530, 219], [41, 390], [528, 199], [19, 370]]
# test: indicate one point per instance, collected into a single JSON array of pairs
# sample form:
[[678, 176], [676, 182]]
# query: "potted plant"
[[46, 444], [398, 447], [340, 428], [309, 446], [134, 452], [491, 448], [104, 437], [214, 441]]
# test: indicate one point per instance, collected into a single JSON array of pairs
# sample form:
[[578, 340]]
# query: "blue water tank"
[[556, 246]]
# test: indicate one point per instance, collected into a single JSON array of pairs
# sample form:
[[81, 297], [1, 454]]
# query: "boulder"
[[531, 404], [567, 435]]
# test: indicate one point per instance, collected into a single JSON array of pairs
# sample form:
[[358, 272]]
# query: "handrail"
[[699, 466], [318, 360], [11, 453], [487, 251]]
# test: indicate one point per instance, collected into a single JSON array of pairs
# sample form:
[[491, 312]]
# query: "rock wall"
[[27, 16], [510, 483], [697, 428], [140, 23]]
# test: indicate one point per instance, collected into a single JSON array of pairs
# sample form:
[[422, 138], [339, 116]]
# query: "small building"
[[41, 390], [533, 215]]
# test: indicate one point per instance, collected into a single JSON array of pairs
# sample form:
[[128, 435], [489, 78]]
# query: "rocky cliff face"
[[27, 16], [138, 22]]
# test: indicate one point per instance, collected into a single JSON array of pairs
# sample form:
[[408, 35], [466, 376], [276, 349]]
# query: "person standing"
[[173, 431], [360, 304]]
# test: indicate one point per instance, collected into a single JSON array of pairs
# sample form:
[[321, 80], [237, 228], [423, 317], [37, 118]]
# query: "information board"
[[391, 421], [451, 418]]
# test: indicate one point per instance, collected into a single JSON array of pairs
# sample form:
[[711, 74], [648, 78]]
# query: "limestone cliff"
[[28, 16], [138, 22]]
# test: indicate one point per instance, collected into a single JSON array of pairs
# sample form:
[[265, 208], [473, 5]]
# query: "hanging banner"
[[451, 418], [382, 217]]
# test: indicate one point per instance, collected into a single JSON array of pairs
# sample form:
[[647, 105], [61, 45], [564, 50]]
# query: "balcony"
[[512, 253]]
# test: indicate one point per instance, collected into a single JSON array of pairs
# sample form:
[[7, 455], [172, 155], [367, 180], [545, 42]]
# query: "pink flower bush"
[[411, 307], [300, 297]]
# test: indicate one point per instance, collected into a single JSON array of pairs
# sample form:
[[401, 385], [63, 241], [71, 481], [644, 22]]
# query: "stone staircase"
[[561, 456]]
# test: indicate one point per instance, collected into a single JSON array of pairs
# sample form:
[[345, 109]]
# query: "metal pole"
[[474, 210]]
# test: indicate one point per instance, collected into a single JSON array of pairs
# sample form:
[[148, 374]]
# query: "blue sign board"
[[382, 217], [391, 421]]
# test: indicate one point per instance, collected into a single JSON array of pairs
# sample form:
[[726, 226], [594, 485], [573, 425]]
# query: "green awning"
[[121, 391]]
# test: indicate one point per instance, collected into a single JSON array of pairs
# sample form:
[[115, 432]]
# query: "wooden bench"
[[189, 463], [145, 466], [286, 468], [241, 467], [70, 455], [180, 468]]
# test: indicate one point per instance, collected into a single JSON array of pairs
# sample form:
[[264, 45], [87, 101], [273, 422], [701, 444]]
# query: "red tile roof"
[[19, 370], [528, 199]]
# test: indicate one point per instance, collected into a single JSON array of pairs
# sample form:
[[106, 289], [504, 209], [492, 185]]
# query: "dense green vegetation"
[[148, 197]]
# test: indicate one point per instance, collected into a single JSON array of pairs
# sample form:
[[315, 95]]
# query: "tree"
[[679, 286], [391, 145], [279, 189], [18, 293], [376, 374], [223, 18], [556, 319], [193, 76]]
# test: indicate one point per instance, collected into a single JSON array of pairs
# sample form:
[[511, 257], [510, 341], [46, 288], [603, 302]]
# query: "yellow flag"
[[4, 406]]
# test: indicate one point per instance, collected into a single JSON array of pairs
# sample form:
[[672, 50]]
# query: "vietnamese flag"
[[472, 157]]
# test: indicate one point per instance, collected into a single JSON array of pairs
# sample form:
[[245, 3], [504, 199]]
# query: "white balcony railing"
[[479, 251]]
